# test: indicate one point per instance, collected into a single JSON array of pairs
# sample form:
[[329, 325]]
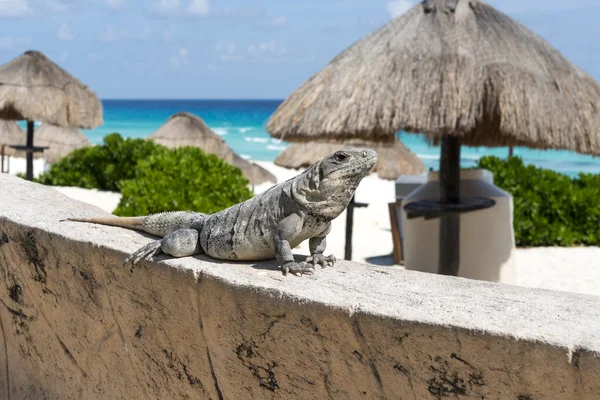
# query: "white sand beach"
[[567, 269], [17, 165]]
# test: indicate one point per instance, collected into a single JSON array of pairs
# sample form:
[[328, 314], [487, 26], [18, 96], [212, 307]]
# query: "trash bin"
[[405, 185], [487, 239]]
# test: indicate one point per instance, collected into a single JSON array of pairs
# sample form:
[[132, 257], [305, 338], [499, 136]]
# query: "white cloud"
[[251, 11], [167, 7], [280, 21], [94, 56], [269, 52], [64, 33], [145, 33], [398, 7], [228, 48], [111, 34], [115, 4], [536, 6], [198, 7], [270, 48], [175, 8], [57, 6], [20, 8], [8, 43], [227, 52], [64, 56], [181, 58], [14, 8]]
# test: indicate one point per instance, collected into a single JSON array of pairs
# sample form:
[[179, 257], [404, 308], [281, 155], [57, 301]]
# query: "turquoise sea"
[[241, 123]]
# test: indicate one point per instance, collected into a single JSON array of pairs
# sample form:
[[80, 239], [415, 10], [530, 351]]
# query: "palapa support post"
[[349, 222], [29, 173], [510, 151], [1, 158], [449, 255]]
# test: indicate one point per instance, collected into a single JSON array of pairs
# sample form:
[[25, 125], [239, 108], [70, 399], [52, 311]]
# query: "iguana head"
[[327, 186], [348, 164]]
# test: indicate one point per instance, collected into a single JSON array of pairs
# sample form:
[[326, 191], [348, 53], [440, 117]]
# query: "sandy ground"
[[568, 269], [19, 165]]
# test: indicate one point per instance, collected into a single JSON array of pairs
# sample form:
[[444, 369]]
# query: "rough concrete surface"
[[76, 324]]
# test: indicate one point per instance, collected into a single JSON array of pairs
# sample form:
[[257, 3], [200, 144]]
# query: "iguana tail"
[[155, 224]]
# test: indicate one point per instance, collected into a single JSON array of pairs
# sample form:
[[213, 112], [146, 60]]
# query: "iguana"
[[266, 226]]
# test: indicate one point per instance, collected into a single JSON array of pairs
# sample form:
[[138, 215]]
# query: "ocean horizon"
[[241, 123]]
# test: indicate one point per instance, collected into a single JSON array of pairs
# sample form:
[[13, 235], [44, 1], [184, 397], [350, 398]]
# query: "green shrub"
[[150, 177], [550, 209], [182, 179], [100, 167]]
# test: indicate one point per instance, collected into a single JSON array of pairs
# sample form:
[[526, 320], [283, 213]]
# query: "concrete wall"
[[76, 324]]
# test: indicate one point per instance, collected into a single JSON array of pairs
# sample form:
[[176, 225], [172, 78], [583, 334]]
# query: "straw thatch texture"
[[448, 66], [60, 141], [393, 160], [34, 88], [12, 134], [185, 129], [254, 173]]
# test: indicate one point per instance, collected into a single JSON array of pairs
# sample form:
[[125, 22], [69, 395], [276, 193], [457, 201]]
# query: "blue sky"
[[237, 48]]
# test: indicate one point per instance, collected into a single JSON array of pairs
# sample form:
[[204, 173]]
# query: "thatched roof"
[[393, 160], [467, 70], [60, 141], [185, 129], [12, 134], [253, 172], [34, 88]]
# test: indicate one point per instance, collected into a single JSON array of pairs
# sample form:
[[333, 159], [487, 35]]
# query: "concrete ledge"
[[77, 324]]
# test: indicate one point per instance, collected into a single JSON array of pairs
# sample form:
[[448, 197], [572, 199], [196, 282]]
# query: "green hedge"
[[150, 177], [100, 167], [550, 209], [182, 179]]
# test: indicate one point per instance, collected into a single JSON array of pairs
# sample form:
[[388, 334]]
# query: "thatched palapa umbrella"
[[185, 129], [457, 71], [60, 141], [33, 88], [393, 160]]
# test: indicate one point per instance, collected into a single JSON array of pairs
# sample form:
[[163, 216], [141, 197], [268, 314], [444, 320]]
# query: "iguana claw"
[[146, 252], [297, 268], [320, 259]]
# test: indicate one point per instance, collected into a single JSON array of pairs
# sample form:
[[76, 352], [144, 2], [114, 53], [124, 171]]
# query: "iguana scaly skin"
[[266, 226]]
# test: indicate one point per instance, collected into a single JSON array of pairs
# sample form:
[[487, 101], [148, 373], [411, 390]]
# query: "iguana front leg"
[[317, 246], [287, 229]]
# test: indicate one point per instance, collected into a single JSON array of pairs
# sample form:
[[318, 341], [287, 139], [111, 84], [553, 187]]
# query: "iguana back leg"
[[181, 243]]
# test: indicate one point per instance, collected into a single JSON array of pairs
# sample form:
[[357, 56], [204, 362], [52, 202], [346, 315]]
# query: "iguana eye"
[[340, 157]]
